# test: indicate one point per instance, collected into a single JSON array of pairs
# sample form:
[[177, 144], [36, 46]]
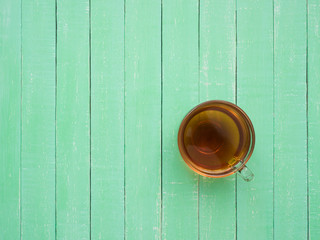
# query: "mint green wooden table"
[[91, 97]]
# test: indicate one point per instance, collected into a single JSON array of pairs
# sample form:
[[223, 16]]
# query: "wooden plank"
[[313, 117], [38, 120], [142, 119], [73, 121], [217, 212], [10, 99], [107, 119], [290, 169], [180, 94], [255, 96]]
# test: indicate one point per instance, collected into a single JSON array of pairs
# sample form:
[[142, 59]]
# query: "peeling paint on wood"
[[92, 94]]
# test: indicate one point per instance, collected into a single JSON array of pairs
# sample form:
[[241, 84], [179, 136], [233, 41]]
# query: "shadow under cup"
[[216, 139]]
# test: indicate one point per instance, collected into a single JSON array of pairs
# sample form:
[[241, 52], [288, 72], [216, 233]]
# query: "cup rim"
[[185, 155]]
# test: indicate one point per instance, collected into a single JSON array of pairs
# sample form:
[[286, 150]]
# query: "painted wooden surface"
[[142, 119], [10, 120], [92, 93], [313, 50], [73, 121], [107, 119], [290, 123], [38, 82]]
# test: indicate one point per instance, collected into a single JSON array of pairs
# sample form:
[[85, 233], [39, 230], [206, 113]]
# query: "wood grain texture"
[[217, 207], [38, 120], [107, 119], [314, 117], [142, 119], [73, 121], [89, 117], [290, 149], [10, 99], [180, 94], [255, 81]]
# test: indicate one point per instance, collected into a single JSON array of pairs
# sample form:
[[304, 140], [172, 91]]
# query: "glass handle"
[[246, 174]]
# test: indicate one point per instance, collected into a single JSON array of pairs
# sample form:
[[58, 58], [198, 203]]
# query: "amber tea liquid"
[[215, 138]]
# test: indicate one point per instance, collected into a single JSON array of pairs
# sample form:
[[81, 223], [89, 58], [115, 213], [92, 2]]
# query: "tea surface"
[[216, 138]]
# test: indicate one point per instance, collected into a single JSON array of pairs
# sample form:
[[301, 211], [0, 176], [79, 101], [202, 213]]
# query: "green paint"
[[142, 119], [143, 54], [38, 120], [107, 119], [180, 94], [255, 81], [10, 99], [73, 121], [290, 149], [217, 210], [314, 116]]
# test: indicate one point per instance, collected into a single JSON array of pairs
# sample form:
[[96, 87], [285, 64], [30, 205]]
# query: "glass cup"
[[216, 139]]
